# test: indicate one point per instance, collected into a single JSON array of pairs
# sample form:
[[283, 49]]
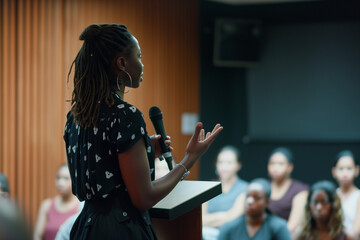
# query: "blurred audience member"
[[65, 228], [345, 170], [257, 223], [288, 196], [222, 208], [323, 215], [4, 187], [54, 211], [12, 226]]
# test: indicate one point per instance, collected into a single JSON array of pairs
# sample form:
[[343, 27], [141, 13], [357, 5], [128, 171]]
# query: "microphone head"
[[155, 113]]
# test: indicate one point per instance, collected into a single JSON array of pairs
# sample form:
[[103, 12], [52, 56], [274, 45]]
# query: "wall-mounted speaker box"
[[236, 42]]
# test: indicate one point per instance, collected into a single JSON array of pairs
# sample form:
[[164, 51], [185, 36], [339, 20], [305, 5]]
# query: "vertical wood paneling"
[[39, 40]]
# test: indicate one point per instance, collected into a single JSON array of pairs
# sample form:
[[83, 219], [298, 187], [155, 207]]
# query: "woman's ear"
[[120, 62], [238, 166], [333, 172]]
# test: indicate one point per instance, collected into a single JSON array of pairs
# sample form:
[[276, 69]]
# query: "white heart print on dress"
[[120, 106], [142, 130], [119, 136], [95, 131], [108, 174], [98, 187], [98, 158]]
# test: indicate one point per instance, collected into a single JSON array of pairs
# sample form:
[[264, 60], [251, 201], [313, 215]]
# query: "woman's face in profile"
[[134, 65], [63, 180], [256, 201], [320, 206], [279, 166], [227, 165]]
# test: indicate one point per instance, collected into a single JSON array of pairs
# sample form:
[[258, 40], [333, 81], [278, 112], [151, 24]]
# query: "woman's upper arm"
[[135, 170], [297, 210], [41, 219], [356, 225]]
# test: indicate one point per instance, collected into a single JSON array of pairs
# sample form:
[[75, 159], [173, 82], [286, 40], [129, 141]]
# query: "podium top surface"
[[184, 197]]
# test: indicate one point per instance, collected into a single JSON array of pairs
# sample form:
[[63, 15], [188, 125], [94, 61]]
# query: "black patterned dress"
[[96, 178]]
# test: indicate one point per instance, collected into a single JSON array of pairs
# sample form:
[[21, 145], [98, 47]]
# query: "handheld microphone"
[[156, 119]]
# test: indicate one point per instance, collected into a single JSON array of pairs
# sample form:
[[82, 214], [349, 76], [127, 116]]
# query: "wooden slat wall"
[[39, 40]]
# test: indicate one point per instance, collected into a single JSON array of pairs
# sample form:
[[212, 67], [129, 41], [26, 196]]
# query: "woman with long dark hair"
[[323, 215]]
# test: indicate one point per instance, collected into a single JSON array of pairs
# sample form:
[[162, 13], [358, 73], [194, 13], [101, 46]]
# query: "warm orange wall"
[[39, 40]]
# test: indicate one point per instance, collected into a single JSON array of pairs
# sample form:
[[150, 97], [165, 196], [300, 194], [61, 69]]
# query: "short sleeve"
[[126, 127]]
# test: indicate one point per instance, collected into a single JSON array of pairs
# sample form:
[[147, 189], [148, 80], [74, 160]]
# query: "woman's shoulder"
[[299, 186], [120, 108], [240, 185], [278, 226], [233, 224], [46, 204], [276, 220]]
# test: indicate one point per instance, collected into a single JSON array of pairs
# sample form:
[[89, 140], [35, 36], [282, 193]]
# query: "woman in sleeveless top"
[[345, 170], [323, 215], [54, 211], [286, 193], [223, 207]]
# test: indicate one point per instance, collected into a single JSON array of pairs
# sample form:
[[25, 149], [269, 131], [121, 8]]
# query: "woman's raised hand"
[[200, 142]]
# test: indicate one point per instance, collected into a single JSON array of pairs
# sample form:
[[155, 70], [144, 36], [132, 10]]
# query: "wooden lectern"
[[178, 215]]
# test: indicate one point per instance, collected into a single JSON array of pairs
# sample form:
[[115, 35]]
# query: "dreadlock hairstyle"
[[94, 79], [308, 230]]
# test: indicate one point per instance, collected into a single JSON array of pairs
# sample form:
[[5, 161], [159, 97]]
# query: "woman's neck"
[[256, 220], [347, 189], [322, 226], [228, 183], [120, 92], [282, 182], [67, 198]]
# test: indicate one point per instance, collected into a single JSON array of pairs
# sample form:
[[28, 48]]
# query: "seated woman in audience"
[[288, 196], [222, 208], [323, 215], [257, 223], [54, 211], [345, 170]]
